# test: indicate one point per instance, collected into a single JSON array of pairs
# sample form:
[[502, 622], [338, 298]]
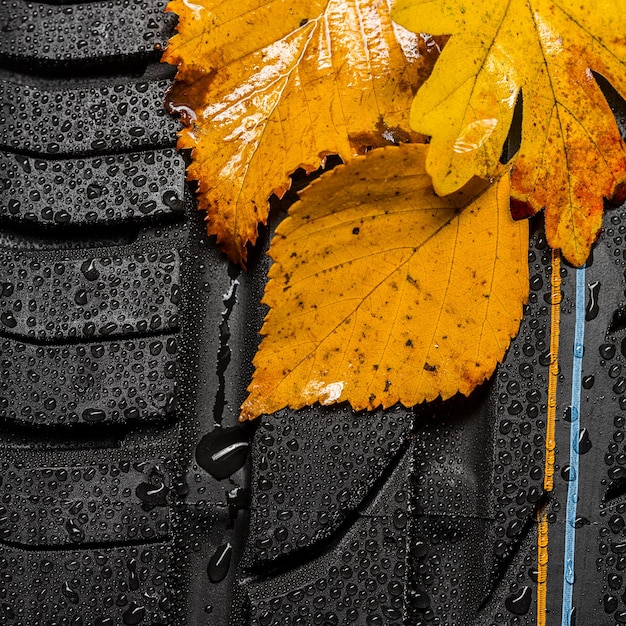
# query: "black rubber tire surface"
[[129, 493]]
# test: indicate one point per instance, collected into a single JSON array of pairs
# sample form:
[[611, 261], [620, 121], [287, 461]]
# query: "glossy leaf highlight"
[[265, 87], [383, 292], [572, 154]]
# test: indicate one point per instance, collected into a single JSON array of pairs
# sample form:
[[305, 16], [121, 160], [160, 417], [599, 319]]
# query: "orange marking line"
[[542, 566], [553, 373], [548, 480]]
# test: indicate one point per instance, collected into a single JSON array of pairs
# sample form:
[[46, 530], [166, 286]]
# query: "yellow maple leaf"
[[381, 291], [267, 86], [572, 154]]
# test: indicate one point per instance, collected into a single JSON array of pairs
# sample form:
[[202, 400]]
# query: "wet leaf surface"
[[265, 87], [572, 154], [382, 291]]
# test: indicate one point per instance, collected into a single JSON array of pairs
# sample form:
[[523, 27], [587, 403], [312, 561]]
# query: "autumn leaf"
[[267, 86], [572, 154], [381, 291]]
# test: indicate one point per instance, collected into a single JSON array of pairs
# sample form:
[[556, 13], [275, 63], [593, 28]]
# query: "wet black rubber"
[[130, 494]]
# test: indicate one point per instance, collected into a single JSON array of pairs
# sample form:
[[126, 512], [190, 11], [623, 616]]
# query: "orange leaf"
[[267, 86], [382, 291], [572, 154]]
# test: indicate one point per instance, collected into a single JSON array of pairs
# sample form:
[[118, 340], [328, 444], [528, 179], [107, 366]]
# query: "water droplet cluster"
[[85, 120], [87, 588], [314, 470], [49, 298], [61, 33], [115, 557], [121, 381], [360, 580], [603, 439], [90, 329], [113, 188], [45, 507], [522, 384]]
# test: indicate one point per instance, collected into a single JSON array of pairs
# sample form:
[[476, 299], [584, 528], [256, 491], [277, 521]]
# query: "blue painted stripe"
[[572, 491]]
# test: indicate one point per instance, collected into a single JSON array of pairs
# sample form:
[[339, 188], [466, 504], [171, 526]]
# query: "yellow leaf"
[[267, 86], [572, 154], [382, 291]]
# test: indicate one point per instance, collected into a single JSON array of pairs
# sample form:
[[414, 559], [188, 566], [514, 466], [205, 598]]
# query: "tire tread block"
[[103, 587], [346, 455], [48, 297], [68, 506], [362, 579], [85, 120], [125, 382], [95, 30], [110, 189]]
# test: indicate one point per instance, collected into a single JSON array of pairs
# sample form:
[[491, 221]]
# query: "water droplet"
[[567, 473], [610, 603], [616, 523], [134, 614], [8, 319], [94, 415], [583, 444], [77, 534], [223, 451], [618, 547], [133, 577], [88, 268], [94, 191], [69, 593], [519, 603], [219, 563], [419, 600], [592, 309], [153, 493], [80, 297], [607, 351]]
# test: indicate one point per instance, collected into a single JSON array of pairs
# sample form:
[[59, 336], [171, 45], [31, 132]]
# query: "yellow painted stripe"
[[548, 479], [542, 566]]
